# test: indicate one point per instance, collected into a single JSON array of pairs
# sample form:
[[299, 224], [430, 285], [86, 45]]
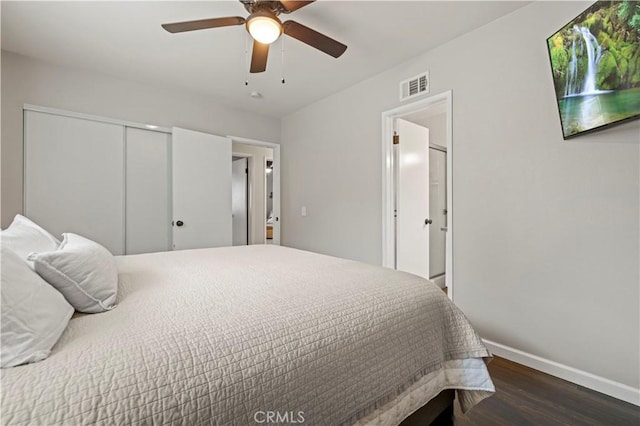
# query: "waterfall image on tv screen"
[[595, 60]]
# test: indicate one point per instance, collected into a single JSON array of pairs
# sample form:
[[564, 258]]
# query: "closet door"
[[74, 177], [148, 205], [201, 169]]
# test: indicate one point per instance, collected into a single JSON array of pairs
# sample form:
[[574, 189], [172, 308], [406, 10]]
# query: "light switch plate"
[[303, 211]]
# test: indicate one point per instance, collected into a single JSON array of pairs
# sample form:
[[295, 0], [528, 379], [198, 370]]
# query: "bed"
[[252, 335]]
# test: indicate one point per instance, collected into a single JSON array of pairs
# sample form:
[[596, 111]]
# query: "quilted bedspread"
[[230, 335]]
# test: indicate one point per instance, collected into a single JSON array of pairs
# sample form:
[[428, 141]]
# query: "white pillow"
[[34, 314], [24, 237], [82, 270]]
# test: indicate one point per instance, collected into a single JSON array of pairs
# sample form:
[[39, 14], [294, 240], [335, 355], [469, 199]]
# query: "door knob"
[[179, 223], [428, 221]]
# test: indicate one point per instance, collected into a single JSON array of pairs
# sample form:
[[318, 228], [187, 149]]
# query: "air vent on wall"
[[414, 86]]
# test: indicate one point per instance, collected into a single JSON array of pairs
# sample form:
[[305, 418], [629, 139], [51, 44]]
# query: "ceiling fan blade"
[[203, 24], [259, 57], [314, 38], [293, 5]]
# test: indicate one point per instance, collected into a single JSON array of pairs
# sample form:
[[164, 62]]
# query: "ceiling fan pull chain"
[[282, 46], [246, 60]]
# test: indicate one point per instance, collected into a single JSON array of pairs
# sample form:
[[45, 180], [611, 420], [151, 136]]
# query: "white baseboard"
[[579, 377]]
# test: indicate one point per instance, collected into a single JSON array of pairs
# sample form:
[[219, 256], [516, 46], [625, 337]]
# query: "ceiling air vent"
[[414, 86]]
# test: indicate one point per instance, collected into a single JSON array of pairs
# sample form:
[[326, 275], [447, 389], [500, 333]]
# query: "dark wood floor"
[[528, 397]]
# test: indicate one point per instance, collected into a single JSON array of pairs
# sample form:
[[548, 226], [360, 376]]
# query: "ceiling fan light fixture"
[[264, 28]]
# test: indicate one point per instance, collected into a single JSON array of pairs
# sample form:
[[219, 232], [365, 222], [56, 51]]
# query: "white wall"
[[25, 80], [546, 231], [258, 195], [437, 126]]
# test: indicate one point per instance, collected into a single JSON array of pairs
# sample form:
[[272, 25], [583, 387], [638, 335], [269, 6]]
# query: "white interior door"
[[412, 190], [201, 190], [74, 177], [148, 205], [239, 174]]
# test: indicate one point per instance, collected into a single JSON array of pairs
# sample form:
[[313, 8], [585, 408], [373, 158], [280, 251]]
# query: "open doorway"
[[434, 118], [263, 202], [269, 200], [438, 212], [420, 170]]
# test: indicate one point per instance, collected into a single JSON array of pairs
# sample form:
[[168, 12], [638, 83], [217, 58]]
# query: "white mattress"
[[214, 336]]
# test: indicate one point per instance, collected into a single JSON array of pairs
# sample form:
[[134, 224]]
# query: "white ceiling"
[[124, 39]]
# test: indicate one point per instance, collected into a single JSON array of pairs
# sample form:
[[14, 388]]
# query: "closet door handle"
[[179, 223], [428, 221]]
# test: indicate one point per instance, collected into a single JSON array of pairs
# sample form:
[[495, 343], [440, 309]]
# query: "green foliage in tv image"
[[595, 60], [616, 28]]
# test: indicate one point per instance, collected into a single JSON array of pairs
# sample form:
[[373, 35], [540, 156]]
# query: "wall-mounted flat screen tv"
[[595, 61]]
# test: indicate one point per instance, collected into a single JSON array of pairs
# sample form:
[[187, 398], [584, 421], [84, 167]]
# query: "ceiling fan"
[[265, 28]]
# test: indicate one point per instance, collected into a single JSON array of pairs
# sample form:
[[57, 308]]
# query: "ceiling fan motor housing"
[[275, 8]]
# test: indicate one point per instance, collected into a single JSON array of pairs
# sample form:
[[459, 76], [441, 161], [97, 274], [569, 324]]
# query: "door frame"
[[276, 181], [388, 233]]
